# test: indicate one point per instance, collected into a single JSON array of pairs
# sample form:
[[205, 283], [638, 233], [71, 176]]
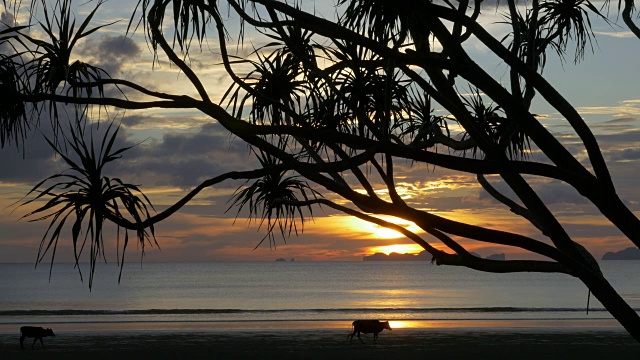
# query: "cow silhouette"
[[367, 327], [34, 332]]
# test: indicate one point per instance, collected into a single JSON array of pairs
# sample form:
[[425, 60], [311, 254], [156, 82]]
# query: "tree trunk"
[[613, 302]]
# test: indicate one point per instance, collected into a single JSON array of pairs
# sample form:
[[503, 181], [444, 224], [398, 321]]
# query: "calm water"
[[311, 291]]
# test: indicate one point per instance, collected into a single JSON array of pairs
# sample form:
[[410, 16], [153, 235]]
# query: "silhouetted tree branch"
[[336, 106]]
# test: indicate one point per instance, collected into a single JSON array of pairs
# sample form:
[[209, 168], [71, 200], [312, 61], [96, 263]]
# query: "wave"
[[294, 311]]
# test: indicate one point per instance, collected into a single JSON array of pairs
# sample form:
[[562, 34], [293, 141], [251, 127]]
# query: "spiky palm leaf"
[[383, 20], [418, 124], [345, 94], [51, 64], [85, 196], [540, 43], [500, 130], [45, 63], [190, 20], [271, 198], [13, 114], [569, 19], [294, 42], [277, 79], [370, 88]]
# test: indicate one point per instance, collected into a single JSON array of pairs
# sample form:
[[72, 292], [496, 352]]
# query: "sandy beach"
[[286, 342]]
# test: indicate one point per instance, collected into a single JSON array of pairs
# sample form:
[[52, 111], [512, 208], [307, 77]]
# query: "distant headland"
[[631, 253], [501, 257], [422, 256]]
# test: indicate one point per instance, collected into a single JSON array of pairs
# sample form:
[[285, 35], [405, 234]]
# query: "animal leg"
[[34, 342], [351, 336], [42, 343], [22, 341], [360, 338], [375, 337]]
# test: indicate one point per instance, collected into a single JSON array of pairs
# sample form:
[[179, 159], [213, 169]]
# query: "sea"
[[210, 294]]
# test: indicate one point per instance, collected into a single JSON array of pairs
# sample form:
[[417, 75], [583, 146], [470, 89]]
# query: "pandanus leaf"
[[84, 192], [271, 200]]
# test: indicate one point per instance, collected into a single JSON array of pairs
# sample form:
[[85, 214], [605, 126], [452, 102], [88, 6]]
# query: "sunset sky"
[[177, 150]]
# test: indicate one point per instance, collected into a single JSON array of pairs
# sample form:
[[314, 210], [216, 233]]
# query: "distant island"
[[283, 259], [422, 256], [501, 257], [631, 253]]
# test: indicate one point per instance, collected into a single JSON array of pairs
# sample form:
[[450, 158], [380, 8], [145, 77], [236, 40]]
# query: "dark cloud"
[[210, 138], [626, 120], [177, 159], [34, 159], [581, 230], [551, 193], [29, 163], [185, 160], [626, 154], [133, 121], [556, 192], [6, 20], [110, 53], [622, 146], [630, 136], [499, 185]]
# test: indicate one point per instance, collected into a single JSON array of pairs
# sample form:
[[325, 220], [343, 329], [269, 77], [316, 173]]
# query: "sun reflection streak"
[[399, 324], [420, 324]]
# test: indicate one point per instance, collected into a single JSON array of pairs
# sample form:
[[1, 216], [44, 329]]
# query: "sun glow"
[[384, 233], [397, 248], [399, 324], [406, 324], [380, 232]]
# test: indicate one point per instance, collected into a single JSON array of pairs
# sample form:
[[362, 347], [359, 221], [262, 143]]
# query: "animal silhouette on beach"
[[367, 327], [34, 332]]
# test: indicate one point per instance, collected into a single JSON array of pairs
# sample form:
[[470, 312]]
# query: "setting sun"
[[397, 248]]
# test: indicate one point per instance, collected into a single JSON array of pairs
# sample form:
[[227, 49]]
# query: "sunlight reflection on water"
[[300, 291]]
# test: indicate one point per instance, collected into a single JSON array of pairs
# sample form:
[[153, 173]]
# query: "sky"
[[175, 150]]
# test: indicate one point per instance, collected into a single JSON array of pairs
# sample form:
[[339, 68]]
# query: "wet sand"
[[519, 343]]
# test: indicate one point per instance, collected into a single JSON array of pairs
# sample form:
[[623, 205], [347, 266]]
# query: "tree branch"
[[132, 85], [626, 17], [443, 258], [541, 136], [513, 206], [154, 18], [184, 102]]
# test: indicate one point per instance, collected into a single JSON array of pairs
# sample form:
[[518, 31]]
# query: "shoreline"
[[323, 343], [506, 325]]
